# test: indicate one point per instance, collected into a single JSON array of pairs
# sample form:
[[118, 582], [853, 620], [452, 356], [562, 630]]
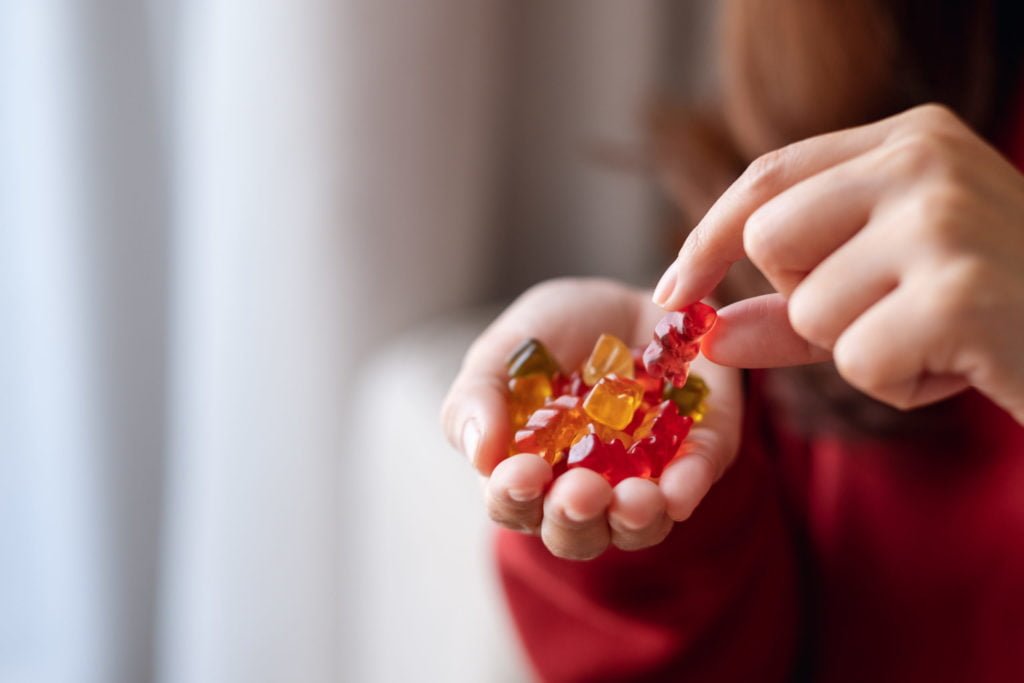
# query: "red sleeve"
[[716, 601]]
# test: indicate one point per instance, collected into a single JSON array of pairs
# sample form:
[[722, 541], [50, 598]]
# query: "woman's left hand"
[[896, 248]]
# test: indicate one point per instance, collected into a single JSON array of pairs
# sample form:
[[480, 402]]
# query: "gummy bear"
[[691, 398], [609, 459], [610, 356], [613, 400], [658, 438], [653, 386], [606, 434], [550, 430], [631, 421], [525, 395], [531, 357], [640, 414], [571, 385], [677, 342], [699, 319]]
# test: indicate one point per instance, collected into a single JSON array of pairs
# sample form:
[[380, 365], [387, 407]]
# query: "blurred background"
[[242, 249]]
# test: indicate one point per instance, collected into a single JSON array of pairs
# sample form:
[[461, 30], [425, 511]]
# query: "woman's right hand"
[[580, 515]]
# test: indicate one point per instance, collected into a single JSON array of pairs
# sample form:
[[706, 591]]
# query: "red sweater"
[[812, 559]]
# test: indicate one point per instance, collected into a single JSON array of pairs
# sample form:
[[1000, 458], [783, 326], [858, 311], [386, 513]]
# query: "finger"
[[756, 333], [846, 284], [515, 490], [790, 234], [474, 417], [687, 480], [890, 351], [709, 448], [717, 241], [933, 388], [637, 515], [575, 525]]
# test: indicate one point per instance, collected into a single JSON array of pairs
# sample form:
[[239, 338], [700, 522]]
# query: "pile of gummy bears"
[[624, 413]]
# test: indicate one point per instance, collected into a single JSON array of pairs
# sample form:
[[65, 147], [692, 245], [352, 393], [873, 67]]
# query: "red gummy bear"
[[699, 319], [659, 437], [677, 342], [610, 460], [653, 386], [569, 385]]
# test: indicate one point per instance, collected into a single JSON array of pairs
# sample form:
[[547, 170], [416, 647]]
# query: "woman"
[[853, 538]]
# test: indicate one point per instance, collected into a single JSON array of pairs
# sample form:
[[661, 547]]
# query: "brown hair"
[[795, 68]]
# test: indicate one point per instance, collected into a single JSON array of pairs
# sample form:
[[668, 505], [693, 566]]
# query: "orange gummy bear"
[[551, 430], [525, 395]]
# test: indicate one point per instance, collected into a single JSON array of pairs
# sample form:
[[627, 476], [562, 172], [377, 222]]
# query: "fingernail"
[[523, 495], [576, 516], [628, 524], [666, 285], [471, 440]]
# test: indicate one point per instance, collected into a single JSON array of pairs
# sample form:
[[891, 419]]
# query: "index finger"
[[717, 241]]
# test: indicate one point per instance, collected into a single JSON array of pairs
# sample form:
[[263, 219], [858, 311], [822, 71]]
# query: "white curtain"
[[214, 215]]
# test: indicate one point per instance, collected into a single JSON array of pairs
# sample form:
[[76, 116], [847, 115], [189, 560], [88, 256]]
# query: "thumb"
[[755, 333]]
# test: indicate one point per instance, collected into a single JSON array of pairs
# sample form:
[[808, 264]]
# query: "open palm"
[[580, 514]]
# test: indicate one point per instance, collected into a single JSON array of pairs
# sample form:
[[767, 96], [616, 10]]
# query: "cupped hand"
[[580, 514], [896, 249]]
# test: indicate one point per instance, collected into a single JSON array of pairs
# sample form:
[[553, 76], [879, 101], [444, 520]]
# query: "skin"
[[896, 250], [580, 515]]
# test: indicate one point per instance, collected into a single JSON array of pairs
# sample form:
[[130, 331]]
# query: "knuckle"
[[929, 144], [501, 518], [638, 540], [860, 369], [697, 244], [699, 444], [757, 243], [516, 517], [969, 273], [954, 298], [935, 115], [807, 319], [571, 549], [765, 173], [572, 540], [713, 465], [914, 154], [939, 215]]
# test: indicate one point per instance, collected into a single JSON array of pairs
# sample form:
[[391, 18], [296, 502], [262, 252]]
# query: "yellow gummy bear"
[[610, 356], [613, 400]]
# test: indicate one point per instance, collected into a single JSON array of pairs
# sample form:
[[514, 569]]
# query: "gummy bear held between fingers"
[[676, 342]]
